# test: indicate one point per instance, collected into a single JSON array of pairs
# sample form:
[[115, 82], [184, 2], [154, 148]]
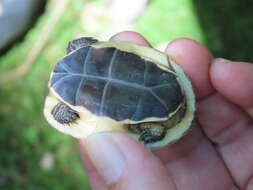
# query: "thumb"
[[125, 164]]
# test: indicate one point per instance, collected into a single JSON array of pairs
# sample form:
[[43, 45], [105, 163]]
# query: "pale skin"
[[215, 155]]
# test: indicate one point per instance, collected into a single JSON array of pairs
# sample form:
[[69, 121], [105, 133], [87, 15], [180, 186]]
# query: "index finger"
[[195, 60]]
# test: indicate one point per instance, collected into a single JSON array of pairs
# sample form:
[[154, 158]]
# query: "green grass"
[[164, 21], [227, 26], [25, 135]]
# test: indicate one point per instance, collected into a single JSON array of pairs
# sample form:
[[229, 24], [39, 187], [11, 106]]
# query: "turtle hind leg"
[[80, 42], [149, 132], [64, 114], [156, 131]]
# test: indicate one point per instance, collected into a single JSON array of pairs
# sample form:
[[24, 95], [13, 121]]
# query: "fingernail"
[[221, 60], [106, 156]]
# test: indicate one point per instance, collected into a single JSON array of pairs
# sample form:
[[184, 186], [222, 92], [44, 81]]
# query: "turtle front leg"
[[64, 114], [151, 132], [80, 42]]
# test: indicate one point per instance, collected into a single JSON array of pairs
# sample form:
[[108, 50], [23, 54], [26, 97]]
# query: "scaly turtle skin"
[[118, 86]]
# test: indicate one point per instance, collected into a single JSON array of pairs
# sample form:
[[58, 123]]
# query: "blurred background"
[[34, 35]]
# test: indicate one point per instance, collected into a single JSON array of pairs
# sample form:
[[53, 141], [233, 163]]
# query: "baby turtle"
[[118, 86]]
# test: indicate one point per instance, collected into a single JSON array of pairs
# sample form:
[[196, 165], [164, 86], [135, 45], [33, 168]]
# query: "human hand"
[[216, 153]]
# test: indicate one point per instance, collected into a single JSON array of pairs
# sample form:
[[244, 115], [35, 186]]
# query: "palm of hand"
[[217, 152]]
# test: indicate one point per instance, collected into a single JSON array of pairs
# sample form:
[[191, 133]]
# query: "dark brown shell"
[[116, 84]]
